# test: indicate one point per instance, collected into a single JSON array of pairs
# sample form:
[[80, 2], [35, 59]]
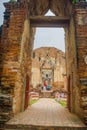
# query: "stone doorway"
[[16, 44], [57, 22], [48, 63]]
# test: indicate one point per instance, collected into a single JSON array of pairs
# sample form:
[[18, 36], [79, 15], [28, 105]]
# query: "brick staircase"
[[31, 127]]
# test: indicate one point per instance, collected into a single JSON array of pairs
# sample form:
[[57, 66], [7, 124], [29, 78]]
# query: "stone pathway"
[[46, 112]]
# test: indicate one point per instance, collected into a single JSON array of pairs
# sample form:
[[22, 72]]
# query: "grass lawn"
[[33, 101], [63, 103]]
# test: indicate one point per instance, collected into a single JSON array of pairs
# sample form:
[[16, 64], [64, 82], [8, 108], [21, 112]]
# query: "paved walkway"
[[47, 112]]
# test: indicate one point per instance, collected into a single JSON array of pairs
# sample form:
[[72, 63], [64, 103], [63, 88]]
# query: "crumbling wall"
[[76, 53], [16, 49], [11, 83], [81, 38]]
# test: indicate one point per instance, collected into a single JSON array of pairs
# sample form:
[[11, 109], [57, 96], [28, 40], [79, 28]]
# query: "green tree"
[[12, 0], [75, 1]]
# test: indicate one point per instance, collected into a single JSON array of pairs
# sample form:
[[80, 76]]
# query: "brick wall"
[[15, 59], [11, 82], [76, 51], [56, 57], [81, 38]]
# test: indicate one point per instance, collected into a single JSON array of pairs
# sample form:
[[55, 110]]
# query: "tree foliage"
[[75, 1], [12, 0]]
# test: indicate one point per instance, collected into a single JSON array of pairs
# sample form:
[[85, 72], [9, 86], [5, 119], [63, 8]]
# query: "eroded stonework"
[[48, 63], [16, 47]]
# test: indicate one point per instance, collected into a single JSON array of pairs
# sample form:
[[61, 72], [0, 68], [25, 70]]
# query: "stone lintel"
[[49, 21]]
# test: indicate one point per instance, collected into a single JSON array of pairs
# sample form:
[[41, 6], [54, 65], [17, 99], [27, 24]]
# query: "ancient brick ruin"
[[16, 46], [48, 64]]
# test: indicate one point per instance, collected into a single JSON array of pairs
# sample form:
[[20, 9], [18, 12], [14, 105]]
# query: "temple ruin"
[[16, 47]]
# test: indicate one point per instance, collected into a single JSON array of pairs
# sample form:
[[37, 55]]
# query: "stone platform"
[[46, 114], [46, 93]]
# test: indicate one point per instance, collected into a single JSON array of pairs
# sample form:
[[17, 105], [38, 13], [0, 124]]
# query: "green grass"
[[33, 101], [62, 103]]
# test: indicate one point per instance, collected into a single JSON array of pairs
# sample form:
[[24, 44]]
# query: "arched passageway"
[[16, 45]]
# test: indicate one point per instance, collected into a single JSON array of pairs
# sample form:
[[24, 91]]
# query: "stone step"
[[31, 127]]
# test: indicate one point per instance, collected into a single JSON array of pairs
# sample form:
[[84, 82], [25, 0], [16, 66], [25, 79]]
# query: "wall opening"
[[49, 13], [48, 63]]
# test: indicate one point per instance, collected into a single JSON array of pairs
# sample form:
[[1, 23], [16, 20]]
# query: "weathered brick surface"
[[81, 38], [10, 73], [76, 46], [16, 49], [48, 58]]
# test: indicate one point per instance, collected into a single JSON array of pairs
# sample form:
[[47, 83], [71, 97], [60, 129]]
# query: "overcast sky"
[[50, 37]]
